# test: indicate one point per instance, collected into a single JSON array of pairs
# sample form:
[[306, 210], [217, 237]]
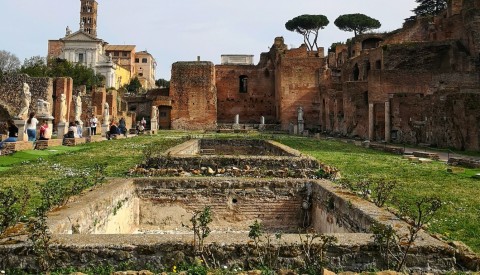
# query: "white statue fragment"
[[63, 109], [26, 99]]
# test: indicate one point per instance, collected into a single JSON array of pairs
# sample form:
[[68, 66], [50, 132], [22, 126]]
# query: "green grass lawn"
[[33, 168], [459, 217]]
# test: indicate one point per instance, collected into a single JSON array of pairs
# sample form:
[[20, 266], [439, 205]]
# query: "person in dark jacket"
[[113, 131], [12, 133]]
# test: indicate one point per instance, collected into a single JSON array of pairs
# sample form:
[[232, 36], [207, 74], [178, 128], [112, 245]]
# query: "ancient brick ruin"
[[417, 85]]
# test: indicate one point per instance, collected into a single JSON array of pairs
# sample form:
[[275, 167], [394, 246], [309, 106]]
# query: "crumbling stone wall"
[[11, 91], [194, 97]]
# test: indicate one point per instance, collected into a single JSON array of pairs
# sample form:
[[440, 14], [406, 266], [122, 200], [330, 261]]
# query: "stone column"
[[105, 128], [261, 127], [237, 119], [301, 127], [22, 135], [370, 121], [387, 122], [236, 124], [153, 125]]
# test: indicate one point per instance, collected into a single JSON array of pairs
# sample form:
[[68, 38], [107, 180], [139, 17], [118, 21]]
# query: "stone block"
[[44, 144], [414, 159], [19, 145], [74, 141], [428, 155]]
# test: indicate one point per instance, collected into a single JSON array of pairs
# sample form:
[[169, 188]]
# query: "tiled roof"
[[128, 48]]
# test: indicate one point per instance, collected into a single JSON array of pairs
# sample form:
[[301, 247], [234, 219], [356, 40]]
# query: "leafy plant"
[[13, 207], [266, 252], [39, 234], [200, 221], [314, 252], [418, 216], [256, 231], [393, 248], [385, 237]]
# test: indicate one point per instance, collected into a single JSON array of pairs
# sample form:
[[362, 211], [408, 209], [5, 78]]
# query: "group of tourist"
[[74, 130], [30, 129], [115, 130]]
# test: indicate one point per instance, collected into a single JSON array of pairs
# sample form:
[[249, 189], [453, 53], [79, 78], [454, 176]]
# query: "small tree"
[[134, 85], [430, 7], [308, 25], [9, 62], [356, 22], [162, 83], [35, 66]]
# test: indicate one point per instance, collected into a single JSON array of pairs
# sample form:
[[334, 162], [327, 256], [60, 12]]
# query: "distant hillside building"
[[145, 66], [115, 62]]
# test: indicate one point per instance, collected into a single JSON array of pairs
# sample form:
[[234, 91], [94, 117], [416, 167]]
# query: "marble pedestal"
[[22, 135], [104, 130], [62, 129]]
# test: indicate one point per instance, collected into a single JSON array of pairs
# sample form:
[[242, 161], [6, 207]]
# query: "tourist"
[[43, 131], [140, 129], [93, 125], [144, 122], [12, 133], [79, 129], [122, 125], [71, 130], [32, 127], [113, 131]]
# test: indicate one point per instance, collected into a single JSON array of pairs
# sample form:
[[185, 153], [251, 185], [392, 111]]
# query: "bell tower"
[[88, 16]]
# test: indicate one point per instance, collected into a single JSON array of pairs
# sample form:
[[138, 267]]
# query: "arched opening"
[[367, 69], [356, 72], [243, 84]]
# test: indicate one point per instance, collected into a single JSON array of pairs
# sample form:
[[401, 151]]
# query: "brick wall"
[[298, 78], [193, 93], [259, 100]]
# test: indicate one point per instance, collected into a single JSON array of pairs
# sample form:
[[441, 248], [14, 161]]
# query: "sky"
[[181, 30]]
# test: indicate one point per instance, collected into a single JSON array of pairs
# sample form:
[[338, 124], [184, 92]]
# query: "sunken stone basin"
[[98, 226], [146, 220]]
